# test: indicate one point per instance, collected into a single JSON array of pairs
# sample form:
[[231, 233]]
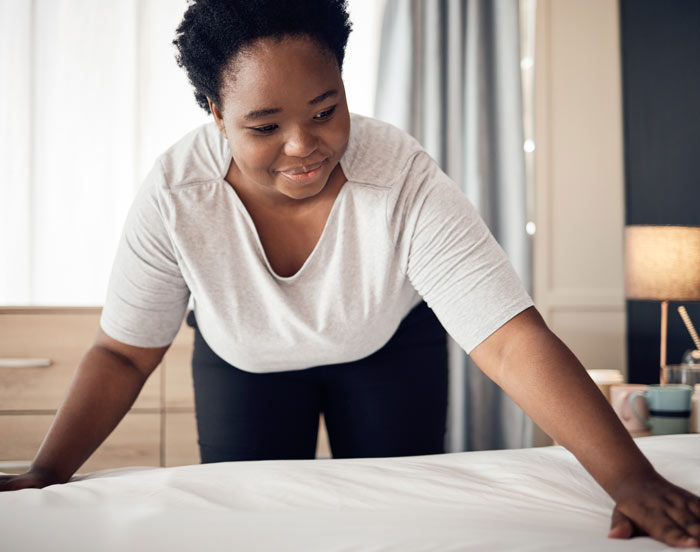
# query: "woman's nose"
[[300, 143]]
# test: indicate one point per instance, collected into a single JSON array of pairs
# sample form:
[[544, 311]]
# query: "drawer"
[[134, 442], [64, 336], [179, 389], [181, 439]]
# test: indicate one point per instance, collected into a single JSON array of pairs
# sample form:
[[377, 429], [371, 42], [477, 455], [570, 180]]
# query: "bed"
[[530, 499]]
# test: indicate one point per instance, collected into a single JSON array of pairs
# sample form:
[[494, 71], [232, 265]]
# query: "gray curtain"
[[449, 74]]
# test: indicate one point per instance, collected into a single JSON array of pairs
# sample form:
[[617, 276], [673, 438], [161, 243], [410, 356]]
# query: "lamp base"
[[663, 378]]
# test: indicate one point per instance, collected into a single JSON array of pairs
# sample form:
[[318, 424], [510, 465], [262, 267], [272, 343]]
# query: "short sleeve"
[[147, 296], [452, 259]]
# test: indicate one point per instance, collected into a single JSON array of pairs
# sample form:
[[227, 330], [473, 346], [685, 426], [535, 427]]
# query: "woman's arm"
[[105, 385], [549, 383]]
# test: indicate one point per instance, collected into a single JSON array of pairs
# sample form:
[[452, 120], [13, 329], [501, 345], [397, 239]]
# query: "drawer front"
[[134, 442], [61, 336]]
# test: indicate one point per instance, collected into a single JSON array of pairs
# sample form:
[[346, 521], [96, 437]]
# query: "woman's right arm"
[[104, 386]]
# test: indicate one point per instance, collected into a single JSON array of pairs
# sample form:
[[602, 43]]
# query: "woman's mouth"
[[304, 173]]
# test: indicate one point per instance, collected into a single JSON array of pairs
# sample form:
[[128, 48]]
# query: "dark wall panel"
[[660, 41]]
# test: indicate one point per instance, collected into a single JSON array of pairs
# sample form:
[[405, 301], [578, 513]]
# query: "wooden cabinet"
[[40, 349], [48, 343], [135, 442], [62, 337]]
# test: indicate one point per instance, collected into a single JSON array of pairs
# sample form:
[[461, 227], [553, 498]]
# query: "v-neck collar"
[[330, 220], [345, 165]]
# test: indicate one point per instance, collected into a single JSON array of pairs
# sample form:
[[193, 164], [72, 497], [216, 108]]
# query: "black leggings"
[[391, 403]]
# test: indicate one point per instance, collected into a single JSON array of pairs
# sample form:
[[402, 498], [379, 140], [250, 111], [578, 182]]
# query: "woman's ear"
[[218, 118]]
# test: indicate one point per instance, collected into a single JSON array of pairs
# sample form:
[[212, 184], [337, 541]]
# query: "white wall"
[[578, 280]]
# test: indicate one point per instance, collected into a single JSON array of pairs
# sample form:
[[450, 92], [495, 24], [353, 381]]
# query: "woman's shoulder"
[[378, 152], [201, 155]]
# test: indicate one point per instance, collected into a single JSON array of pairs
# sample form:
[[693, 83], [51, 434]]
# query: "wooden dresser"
[[159, 430]]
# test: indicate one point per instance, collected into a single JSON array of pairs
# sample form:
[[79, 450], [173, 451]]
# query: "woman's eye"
[[265, 129], [325, 114]]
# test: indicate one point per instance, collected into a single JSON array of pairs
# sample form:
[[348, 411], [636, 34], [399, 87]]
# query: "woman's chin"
[[302, 190]]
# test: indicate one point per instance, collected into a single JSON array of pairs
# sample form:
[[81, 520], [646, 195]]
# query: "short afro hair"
[[213, 32]]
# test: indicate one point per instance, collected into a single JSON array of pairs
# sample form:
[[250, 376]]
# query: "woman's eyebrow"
[[260, 113], [326, 94]]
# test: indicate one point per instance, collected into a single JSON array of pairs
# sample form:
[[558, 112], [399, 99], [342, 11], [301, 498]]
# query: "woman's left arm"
[[548, 382]]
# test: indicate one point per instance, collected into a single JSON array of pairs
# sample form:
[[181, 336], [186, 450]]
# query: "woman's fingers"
[[23, 481], [667, 514], [673, 534], [682, 512], [662, 527], [694, 507], [6, 482]]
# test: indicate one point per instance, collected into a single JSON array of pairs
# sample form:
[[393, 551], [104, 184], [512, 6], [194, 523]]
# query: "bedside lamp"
[[662, 263]]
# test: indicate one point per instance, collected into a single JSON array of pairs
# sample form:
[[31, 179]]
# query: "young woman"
[[309, 240]]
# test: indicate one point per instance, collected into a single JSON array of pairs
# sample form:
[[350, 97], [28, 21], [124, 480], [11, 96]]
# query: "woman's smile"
[[304, 173]]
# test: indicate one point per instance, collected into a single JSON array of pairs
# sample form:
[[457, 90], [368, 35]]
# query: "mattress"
[[529, 499]]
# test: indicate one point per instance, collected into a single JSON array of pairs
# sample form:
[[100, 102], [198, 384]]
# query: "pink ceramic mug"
[[619, 399]]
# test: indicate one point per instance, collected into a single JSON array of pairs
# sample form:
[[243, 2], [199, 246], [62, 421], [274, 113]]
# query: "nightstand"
[[46, 345]]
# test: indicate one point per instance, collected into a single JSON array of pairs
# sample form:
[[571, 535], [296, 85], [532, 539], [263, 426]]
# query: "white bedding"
[[529, 499]]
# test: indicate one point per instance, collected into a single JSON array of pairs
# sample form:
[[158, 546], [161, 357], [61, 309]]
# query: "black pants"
[[391, 403]]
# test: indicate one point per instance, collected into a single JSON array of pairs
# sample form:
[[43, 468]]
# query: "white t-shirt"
[[399, 230]]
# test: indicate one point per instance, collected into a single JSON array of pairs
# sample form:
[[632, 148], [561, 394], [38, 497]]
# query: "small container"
[[695, 410], [688, 374], [604, 379]]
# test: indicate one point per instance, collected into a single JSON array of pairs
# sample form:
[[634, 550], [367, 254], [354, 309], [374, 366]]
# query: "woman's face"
[[285, 117]]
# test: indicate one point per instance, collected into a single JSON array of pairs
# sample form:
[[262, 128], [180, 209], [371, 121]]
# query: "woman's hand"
[[653, 506], [541, 374], [33, 479]]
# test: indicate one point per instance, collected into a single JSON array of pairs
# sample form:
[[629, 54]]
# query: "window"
[[95, 96]]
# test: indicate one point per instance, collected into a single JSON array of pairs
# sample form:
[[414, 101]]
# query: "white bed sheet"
[[529, 499]]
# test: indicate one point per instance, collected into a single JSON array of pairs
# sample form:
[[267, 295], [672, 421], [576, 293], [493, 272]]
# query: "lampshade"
[[662, 263]]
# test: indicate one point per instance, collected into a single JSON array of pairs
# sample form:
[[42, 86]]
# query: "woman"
[[308, 240]]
